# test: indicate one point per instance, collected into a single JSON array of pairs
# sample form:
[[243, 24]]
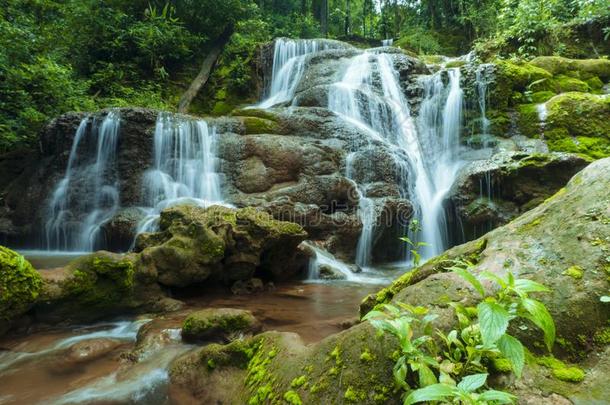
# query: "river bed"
[[95, 364]]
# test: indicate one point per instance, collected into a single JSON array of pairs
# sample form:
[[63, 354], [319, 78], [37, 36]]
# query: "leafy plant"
[[465, 392], [454, 366], [414, 228]]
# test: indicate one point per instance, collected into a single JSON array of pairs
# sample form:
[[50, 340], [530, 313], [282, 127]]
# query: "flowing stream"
[[88, 195]]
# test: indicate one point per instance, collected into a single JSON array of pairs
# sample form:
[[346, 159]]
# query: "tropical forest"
[[295, 202]]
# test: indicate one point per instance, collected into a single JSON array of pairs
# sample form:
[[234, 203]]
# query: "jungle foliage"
[[62, 55]]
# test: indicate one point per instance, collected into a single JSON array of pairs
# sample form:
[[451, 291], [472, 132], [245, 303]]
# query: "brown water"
[[92, 367]]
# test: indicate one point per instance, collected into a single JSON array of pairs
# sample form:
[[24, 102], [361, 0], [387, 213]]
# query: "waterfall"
[[481, 83], [185, 167], [440, 122], [289, 59], [387, 42], [87, 196], [369, 95]]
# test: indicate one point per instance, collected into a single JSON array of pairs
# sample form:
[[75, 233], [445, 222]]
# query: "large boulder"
[[214, 324], [564, 244], [195, 244], [20, 286]]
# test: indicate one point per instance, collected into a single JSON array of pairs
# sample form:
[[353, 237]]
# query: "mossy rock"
[[580, 123], [99, 281], [215, 324], [256, 125], [20, 285], [580, 68], [512, 78], [195, 244], [455, 64], [529, 122], [542, 96]]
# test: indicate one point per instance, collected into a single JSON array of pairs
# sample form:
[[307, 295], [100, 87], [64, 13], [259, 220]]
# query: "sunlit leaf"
[[471, 383], [434, 392], [541, 317], [512, 349], [493, 320]]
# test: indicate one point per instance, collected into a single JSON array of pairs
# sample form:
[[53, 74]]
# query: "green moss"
[[256, 125], [366, 356], [455, 64], [602, 336], [569, 374], [579, 68], [529, 123], [576, 272], [211, 322], [101, 280], [354, 395], [560, 370], [20, 284], [293, 398], [255, 112], [566, 83], [501, 365], [595, 83], [298, 382], [579, 123], [542, 96]]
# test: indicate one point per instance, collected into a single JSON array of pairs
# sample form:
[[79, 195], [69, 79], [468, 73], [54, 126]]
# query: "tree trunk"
[[348, 17], [204, 74], [324, 17]]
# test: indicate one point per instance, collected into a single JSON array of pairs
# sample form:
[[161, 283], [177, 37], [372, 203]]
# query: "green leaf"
[[529, 286], [493, 319], [373, 314], [512, 349], [434, 392], [541, 318], [497, 396], [491, 276], [471, 383], [470, 278], [426, 376]]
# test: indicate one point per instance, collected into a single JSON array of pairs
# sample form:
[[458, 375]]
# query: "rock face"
[[571, 260], [196, 244], [489, 193]]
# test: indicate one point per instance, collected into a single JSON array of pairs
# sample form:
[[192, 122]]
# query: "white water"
[[123, 330], [185, 168], [289, 59], [88, 194], [369, 95], [482, 82], [387, 42], [542, 115]]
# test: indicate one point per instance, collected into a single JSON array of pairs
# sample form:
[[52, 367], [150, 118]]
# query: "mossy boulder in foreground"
[[195, 244], [218, 324], [20, 285], [572, 228]]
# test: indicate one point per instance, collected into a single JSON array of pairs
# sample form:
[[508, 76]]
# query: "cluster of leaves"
[[454, 365]]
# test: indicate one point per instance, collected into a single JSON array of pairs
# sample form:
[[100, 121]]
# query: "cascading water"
[[481, 83], [289, 58], [185, 167], [369, 95], [88, 195]]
